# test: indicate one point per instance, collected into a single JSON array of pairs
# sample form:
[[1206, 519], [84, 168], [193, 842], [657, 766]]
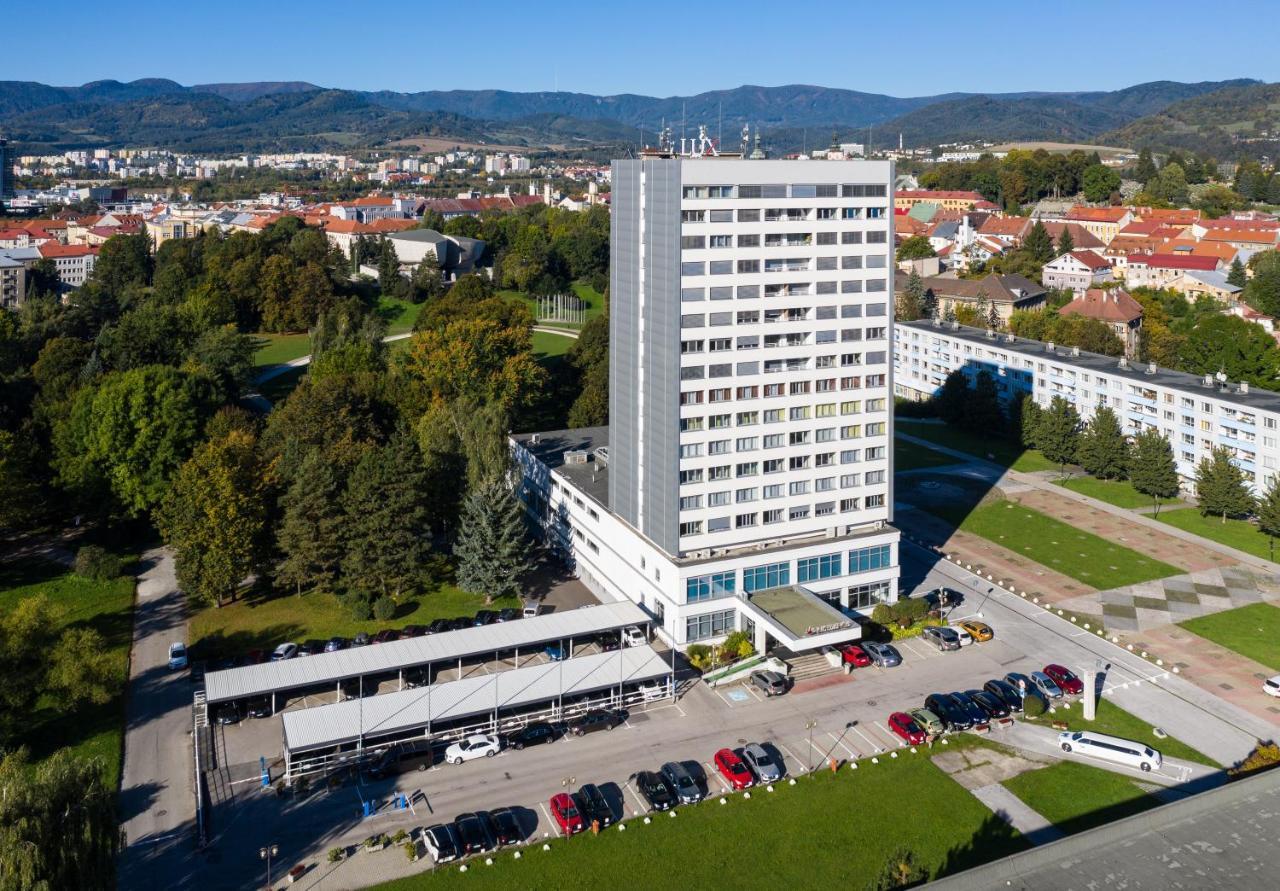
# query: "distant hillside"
[[1226, 123], [251, 91]]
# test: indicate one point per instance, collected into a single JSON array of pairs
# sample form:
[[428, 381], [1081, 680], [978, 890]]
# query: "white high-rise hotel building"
[[745, 479]]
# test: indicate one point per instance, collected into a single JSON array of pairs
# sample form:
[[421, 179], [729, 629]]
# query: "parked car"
[[608, 642], [360, 640], [485, 617], [461, 622], [334, 644], [480, 745], [530, 609], [504, 827], [766, 768], [386, 635], [1111, 748], [412, 754], [255, 657], [177, 656], [928, 721], [438, 626], [632, 636], [771, 683], [566, 814], [941, 637], [883, 655], [733, 769], [351, 688], [853, 654], [951, 713], [555, 652], [1065, 679], [965, 638], [595, 719], [1005, 692], [508, 614], [417, 677], [284, 651], [535, 734], [993, 705], [976, 714], [1271, 686], [683, 782], [655, 789], [442, 842], [593, 806], [651, 691], [906, 727], [472, 833], [1045, 685], [414, 631], [259, 707], [979, 631], [226, 713]]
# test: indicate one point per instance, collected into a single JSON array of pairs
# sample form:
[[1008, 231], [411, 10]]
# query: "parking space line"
[[838, 741], [644, 807], [875, 747], [546, 814], [711, 771], [892, 737], [787, 752]]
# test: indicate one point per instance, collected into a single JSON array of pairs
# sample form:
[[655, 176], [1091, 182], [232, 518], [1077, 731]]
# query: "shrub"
[[911, 610], [399, 837], [411, 851], [913, 408], [97, 563], [335, 854], [883, 614], [358, 604], [1265, 755], [699, 656], [1032, 706], [384, 608]]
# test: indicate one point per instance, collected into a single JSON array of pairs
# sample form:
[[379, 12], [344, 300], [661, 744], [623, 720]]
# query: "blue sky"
[[654, 47]]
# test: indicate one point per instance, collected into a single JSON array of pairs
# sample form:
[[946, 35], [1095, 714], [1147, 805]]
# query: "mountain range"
[[295, 115]]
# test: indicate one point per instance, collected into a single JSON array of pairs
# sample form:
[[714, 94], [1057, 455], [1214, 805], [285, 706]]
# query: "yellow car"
[[979, 631]]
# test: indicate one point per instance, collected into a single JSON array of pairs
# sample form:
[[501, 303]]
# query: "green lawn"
[[398, 314], [1073, 552], [545, 344], [997, 449], [276, 349], [263, 622], [1112, 720], [910, 456], [91, 730], [1121, 493], [1075, 797], [825, 830], [1239, 534], [1252, 631]]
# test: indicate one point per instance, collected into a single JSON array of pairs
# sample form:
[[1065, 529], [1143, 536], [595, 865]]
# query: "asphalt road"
[[157, 802]]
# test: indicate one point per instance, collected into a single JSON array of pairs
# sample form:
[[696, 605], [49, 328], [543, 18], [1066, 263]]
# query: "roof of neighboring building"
[[1168, 216], [1221, 838], [1173, 261], [1088, 258], [52, 249], [1265, 237], [1141, 227], [592, 477], [1007, 227], [1256, 225], [377, 226], [1213, 279], [1097, 214], [938, 195], [996, 288], [1105, 305], [924, 211], [798, 611], [1080, 236], [428, 235]]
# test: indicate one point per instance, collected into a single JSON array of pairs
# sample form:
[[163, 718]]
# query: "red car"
[[1063, 677], [566, 814], [734, 770], [906, 727], [855, 655]]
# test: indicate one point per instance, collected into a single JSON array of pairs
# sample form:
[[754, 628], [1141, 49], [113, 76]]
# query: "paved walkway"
[[274, 371], [1014, 811]]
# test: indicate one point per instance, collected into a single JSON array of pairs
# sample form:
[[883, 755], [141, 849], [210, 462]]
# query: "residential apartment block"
[[1193, 413], [746, 476]]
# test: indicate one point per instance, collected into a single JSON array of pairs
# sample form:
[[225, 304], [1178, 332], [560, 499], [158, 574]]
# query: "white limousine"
[[1110, 748]]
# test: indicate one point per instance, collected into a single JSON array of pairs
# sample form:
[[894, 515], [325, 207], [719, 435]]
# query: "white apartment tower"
[[749, 445]]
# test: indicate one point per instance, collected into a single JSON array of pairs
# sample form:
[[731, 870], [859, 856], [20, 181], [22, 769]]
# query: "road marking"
[[870, 741], [547, 814], [711, 771], [788, 753], [838, 741], [644, 806]]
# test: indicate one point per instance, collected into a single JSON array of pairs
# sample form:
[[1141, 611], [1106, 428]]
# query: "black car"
[[1005, 692], [259, 707], [461, 622], [351, 689], [504, 827], [608, 643], [976, 714], [593, 806], [386, 635], [484, 617], [360, 640], [655, 789], [334, 644], [473, 833], [993, 705], [227, 713], [413, 631], [509, 614], [442, 843], [417, 677], [534, 734], [439, 625], [412, 754], [949, 711], [595, 719]]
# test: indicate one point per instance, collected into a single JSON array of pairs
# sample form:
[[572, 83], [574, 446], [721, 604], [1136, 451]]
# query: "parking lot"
[[806, 727]]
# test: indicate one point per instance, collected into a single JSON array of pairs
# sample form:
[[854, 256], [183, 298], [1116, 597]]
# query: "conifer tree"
[[1066, 244], [311, 530], [1103, 450], [492, 549], [1152, 470], [1220, 486], [1038, 243], [1269, 514], [1057, 432]]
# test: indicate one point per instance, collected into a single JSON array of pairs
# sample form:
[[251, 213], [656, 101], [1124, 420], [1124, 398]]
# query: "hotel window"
[[771, 575], [710, 625], [743, 496], [742, 521], [706, 587], [773, 516], [746, 444], [815, 569], [718, 499], [691, 528], [774, 465], [866, 596], [868, 559]]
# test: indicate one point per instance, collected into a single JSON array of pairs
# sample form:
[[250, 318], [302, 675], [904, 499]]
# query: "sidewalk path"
[[273, 371], [1014, 811]]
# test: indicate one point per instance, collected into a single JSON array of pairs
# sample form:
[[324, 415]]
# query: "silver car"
[[1046, 685], [941, 637], [882, 654], [764, 765], [771, 683]]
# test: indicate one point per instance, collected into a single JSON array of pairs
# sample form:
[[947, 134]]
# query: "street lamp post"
[[847, 727], [266, 853], [809, 725]]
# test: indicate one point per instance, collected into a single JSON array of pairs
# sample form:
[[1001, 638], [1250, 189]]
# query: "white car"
[[965, 637], [284, 651], [482, 745], [177, 656], [632, 636], [651, 691], [1271, 686]]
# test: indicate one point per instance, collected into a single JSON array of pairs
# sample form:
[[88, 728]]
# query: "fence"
[[565, 308], [202, 755]]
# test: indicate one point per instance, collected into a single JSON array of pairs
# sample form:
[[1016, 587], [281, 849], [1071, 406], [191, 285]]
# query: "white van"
[[632, 636], [1110, 748]]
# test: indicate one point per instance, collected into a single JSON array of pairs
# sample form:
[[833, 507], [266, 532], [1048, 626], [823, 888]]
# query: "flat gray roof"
[[1096, 363], [589, 478], [1224, 838], [329, 668], [344, 722]]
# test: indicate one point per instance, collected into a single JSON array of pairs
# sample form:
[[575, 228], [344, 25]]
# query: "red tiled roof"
[[52, 249], [1090, 259], [1080, 236], [1113, 305], [1006, 226], [1252, 236], [1174, 261], [1141, 227], [938, 195], [1097, 214], [1242, 225]]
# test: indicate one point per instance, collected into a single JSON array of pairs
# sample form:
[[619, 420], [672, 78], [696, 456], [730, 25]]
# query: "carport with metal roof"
[[312, 735], [321, 669]]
